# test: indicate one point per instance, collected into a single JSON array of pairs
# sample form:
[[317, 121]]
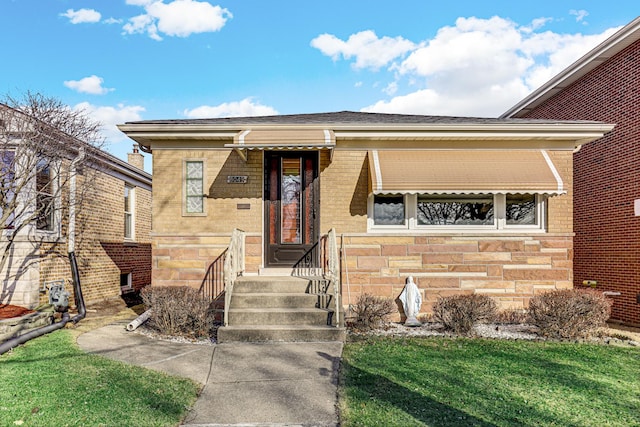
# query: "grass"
[[475, 382], [50, 381]]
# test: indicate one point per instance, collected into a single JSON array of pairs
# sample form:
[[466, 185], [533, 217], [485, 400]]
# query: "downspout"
[[14, 342], [77, 290]]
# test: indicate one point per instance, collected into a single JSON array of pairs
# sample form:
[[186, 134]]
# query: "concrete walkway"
[[279, 384]]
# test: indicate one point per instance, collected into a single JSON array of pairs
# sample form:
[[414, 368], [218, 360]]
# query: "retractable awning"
[[283, 139], [463, 172]]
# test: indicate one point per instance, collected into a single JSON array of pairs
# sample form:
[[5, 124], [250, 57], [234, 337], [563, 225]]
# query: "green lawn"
[[49, 381], [476, 382]]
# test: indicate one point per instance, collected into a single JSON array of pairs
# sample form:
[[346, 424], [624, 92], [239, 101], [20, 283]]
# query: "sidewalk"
[[283, 384]]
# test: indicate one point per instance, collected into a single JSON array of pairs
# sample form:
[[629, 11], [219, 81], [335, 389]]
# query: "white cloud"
[[91, 85], [82, 16], [368, 50], [112, 116], [178, 18], [579, 14], [112, 21], [246, 107], [391, 88], [479, 67]]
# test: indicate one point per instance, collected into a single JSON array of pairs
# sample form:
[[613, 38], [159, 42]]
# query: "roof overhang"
[[555, 135]]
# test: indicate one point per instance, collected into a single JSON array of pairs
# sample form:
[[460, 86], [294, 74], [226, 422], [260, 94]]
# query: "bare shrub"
[[459, 313], [371, 312], [570, 313], [178, 311], [512, 317]]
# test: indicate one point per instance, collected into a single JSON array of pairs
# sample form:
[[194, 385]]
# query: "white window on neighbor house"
[[456, 212], [126, 281], [193, 187], [129, 210]]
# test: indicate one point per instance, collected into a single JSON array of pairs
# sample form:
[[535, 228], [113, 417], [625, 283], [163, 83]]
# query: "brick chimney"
[[136, 159]]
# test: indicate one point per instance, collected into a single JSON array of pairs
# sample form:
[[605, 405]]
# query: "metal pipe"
[[14, 342], [77, 290]]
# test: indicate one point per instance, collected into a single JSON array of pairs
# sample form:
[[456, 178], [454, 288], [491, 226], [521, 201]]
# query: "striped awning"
[[463, 172], [283, 139]]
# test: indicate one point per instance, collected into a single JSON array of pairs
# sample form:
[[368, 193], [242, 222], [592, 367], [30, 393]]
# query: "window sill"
[[456, 231]]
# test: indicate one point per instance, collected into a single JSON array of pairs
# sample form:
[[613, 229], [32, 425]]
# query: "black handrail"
[[314, 262], [313, 266], [212, 286]]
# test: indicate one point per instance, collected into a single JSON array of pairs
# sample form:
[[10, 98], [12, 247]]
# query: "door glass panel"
[[291, 202], [309, 197]]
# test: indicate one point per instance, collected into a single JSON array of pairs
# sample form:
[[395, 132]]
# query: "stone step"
[[274, 300], [283, 333], [264, 284], [279, 316]]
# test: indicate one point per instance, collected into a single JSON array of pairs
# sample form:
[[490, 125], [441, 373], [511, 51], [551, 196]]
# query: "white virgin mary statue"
[[411, 302]]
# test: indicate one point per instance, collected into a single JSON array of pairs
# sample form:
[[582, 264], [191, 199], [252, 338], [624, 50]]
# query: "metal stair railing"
[[321, 265], [233, 267], [212, 286]]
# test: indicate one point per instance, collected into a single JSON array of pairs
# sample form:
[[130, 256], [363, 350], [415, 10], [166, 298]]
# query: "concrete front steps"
[[277, 308]]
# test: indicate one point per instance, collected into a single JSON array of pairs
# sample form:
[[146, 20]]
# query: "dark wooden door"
[[291, 206]]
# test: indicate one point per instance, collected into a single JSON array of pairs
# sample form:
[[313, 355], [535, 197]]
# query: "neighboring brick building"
[[113, 247], [603, 85], [464, 205]]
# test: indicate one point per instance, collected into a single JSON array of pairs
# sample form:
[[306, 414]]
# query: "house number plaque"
[[238, 179]]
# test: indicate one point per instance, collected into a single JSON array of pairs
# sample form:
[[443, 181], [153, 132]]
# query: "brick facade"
[[102, 252], [511, 266], [607, 182]]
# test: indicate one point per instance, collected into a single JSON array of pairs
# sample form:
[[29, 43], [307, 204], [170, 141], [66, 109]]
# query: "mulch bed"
[[7, 311]]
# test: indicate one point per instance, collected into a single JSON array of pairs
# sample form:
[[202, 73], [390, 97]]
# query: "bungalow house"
[[463, 205], [113, 247], [603, 85]]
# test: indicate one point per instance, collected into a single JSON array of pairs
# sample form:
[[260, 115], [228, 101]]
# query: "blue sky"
[[126, 60]]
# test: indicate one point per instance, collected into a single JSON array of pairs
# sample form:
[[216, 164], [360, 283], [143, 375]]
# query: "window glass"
[[195, 187], [128, 212], [291, 206], [7, 184], [44, 202], [521, 209], [455, 210], [388, 210]]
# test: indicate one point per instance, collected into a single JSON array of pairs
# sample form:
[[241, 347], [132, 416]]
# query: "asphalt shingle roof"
[[352, 117]]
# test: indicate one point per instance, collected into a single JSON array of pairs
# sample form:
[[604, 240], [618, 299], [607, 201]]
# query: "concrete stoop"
[[277, 308], [16, 326]]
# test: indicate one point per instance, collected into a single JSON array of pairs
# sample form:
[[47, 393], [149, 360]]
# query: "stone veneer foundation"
[[510, 269]]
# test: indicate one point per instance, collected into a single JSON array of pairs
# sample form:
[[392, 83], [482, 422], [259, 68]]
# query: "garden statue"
[[411, 302]]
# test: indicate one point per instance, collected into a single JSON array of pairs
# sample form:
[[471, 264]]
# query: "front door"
[[291, 206]]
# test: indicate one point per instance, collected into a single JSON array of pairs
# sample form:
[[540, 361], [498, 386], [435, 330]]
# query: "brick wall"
[[101, 251], [344, 182], [607, 182], [511, 267], [222, 212], [185, 245]]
